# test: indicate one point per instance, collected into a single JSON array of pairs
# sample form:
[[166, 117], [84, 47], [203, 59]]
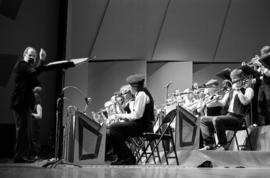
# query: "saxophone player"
[[139, 120]]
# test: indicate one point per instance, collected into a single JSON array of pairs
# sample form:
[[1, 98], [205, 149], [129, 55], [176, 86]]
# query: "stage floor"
[[225, 164], [140, 171]]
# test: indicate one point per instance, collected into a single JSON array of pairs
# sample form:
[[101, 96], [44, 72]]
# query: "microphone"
[[168, 84], [87, 100]]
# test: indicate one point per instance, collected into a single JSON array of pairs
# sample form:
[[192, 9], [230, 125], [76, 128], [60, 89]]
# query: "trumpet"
[[255, 64], [245, 82]]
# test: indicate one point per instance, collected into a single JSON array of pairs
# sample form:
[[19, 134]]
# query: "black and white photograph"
[[134, 88]]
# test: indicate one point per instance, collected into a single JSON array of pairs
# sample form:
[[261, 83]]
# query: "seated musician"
[[210, 105], [128, 102], [238, 98], [140, 120]]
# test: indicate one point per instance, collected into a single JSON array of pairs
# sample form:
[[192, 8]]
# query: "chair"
[[138, 144], [163, 133], [242, 126]]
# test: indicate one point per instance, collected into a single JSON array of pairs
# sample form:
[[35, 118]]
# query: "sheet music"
[[78, 61], [75, 61], [57, 62]]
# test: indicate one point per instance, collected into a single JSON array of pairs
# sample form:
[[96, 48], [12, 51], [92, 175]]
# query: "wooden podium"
[[84, 140]]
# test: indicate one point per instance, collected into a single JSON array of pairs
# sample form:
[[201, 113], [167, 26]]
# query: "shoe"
[[128, 161], [220, 148], [208, 147], [110, 157], [23, 160]]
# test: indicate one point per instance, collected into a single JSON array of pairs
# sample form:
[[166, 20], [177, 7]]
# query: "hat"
[[237, 74], [135, 79]]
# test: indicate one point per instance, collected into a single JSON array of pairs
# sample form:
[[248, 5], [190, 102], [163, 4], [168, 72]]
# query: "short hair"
[[27, 49], [265, 50], [237, 74], [125, 89]]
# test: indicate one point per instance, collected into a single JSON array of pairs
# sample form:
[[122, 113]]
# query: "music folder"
[[265, 61], [64, 64]]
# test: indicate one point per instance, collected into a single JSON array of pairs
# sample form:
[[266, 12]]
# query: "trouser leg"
[[223, 123], [207, 130], [23, 125], [119, 133]]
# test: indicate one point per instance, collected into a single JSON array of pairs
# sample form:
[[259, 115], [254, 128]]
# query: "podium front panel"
[[187, 130], [89, 141]]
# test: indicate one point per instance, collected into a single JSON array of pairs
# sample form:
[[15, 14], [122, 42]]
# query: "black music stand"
[[63, 66], [224, 74], [265, 61], [249, 71]]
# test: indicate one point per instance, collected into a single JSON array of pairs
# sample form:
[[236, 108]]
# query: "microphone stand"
[[167, 92]]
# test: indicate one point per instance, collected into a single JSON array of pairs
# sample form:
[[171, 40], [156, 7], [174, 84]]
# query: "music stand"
[[265, 61], [249, 71], [63, 66], [224, 74]]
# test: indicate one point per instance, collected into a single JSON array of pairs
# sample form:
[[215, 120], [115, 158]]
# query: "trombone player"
[[237, 99]]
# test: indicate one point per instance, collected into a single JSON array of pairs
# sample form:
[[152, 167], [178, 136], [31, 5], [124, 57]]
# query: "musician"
[[140, 120], [264, 92], [36, 118], [238, 99], [213, 94], [22, 101], [128, 102]]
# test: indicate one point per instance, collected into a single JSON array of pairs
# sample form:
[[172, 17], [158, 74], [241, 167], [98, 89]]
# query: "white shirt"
[[141, 99]]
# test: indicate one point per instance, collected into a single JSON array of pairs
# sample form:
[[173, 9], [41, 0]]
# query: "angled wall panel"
[[84, 17], [204, 72], [129, 29], [246, 30], [161, 73], [191, 30]]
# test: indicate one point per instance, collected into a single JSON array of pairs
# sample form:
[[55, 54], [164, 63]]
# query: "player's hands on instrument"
[[112, 119]]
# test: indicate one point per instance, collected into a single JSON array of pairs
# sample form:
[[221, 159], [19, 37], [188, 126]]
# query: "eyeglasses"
[[124, 93]]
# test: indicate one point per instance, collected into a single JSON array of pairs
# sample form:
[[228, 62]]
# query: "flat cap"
[[135, 79]]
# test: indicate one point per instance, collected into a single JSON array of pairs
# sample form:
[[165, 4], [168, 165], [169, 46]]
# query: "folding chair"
[[242, 126], [163, 133], [138, 144]]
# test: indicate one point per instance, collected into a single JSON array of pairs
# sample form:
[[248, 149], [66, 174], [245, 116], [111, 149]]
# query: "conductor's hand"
[[42, 54]]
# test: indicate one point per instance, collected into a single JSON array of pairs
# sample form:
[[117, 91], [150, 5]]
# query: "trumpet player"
[[238, 99], [140, 119], [264, 93]]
